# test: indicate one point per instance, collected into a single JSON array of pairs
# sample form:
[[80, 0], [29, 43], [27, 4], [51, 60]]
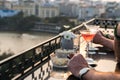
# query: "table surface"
[[104, 58]]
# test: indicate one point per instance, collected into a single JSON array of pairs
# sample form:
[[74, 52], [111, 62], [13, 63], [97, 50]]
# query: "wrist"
[[102, 40], [83, 71], [89, 75]]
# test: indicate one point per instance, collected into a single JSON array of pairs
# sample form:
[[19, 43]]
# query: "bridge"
[[26, 63]]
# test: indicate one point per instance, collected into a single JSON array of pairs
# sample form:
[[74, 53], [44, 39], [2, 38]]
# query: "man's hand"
[[118, 30], [76, 63], [98, 37]]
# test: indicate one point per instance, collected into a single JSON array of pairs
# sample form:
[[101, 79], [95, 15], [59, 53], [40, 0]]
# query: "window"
[[47, 13], [53, 13]]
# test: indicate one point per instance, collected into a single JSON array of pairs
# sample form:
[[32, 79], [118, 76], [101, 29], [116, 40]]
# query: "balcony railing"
[[18, 67]]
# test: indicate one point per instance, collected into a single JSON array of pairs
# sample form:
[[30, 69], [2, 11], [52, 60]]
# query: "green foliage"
[[2, 21], [5, 55], [11, 22], [21, 23], [27, 22], [60, 20]]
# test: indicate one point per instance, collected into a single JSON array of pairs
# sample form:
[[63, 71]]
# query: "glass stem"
[[91, 43], [87, 49]]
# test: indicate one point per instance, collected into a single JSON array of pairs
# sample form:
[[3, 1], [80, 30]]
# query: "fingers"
[[76, 63], [78, 60]]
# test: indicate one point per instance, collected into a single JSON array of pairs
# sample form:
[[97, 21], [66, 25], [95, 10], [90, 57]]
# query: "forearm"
[[95, 75], [117, 51], [117, 42], [107, 43]]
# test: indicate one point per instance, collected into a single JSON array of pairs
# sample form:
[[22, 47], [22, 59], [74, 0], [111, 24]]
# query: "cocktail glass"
[[88, 36], [95, 28]]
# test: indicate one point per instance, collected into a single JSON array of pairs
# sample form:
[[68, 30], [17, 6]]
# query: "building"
[[49, 10], [112, 10], [61, 1], [49, 27], [67, 8], [27, 7], [87, 10], [4, 4], [38, 8]]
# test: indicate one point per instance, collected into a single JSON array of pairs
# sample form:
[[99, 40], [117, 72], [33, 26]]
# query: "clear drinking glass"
[[95, 28], [88, 36]]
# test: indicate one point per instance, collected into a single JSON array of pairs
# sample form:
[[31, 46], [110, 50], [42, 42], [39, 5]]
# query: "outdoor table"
[[104, 58]]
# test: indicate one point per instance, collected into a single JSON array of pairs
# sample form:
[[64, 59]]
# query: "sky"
[[98, 0], [101, 0], [109, 0], [77, 0]]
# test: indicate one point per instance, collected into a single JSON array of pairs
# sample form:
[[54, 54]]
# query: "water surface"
[[18, 42]]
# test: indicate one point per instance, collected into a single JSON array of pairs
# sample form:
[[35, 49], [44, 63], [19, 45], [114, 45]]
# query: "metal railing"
[[18, 67]]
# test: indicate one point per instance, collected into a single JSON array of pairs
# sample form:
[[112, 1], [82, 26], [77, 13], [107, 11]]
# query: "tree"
[[27, 23]]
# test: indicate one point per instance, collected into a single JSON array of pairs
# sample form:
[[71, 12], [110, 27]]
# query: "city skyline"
[[101, 0], [77, 0]]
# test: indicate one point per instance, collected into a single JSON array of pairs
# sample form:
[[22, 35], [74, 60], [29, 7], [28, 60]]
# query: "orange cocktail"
[[87, 35]]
